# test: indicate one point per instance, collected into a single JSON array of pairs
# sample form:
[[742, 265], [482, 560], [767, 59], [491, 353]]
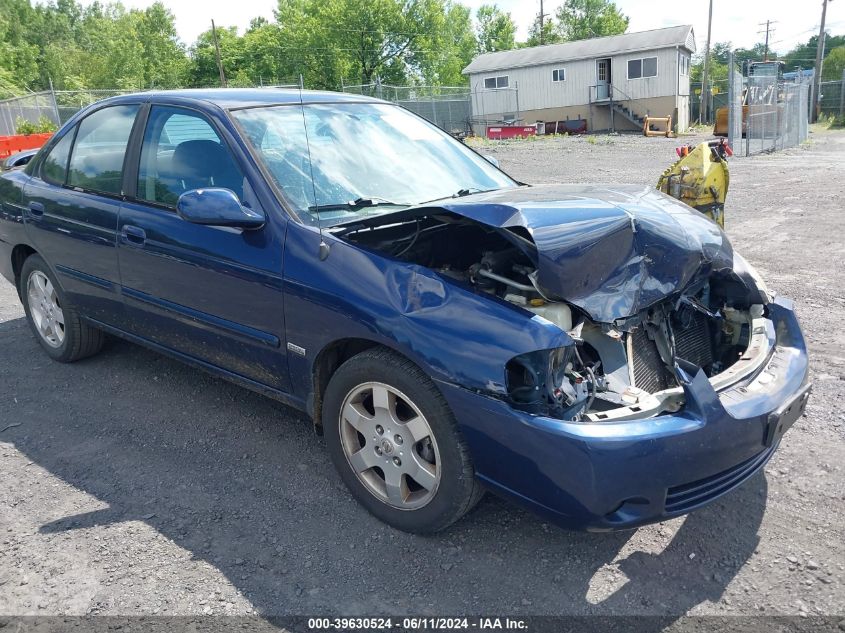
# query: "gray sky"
[[736, 21]]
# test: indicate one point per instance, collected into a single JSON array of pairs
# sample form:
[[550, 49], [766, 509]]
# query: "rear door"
[[72, 205], [211, 293]]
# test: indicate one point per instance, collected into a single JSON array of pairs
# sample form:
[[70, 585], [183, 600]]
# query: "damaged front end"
[[649, 291]]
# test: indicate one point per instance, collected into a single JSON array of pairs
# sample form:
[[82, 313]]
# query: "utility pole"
[[818, 68], [217, 53], [768, 30], [705, 101], [542, 20]]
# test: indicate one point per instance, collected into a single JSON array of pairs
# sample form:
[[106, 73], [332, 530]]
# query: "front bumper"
[[605, 476]]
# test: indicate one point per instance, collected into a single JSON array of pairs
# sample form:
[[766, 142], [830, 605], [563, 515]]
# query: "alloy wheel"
[[390, 446], [45, 308]]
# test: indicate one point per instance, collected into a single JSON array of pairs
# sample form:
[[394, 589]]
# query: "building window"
[[639, 68], [684, 65], [559, 74], [491, 83]]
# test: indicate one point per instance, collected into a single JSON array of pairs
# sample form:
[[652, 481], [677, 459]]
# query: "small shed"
[[608, 82]]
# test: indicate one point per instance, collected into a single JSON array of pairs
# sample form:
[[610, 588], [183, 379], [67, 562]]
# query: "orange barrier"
[[19, 142]]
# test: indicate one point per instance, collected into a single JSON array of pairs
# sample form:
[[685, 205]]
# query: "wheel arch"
[[20, 254], [328, 361], [325, 364]]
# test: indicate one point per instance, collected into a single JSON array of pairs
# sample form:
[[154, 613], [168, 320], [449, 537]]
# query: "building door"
[[602, 78]]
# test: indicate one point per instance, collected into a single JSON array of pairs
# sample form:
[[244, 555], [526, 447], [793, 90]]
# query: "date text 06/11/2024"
[[417, 623]]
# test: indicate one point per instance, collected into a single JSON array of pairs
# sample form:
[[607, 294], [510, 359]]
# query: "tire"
[[44, 303], [417, 444]]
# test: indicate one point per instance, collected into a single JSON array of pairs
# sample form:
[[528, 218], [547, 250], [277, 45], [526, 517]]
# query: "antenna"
[[324, 248]]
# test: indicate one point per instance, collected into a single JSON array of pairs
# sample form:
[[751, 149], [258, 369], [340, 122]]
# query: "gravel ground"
[[135, 485]]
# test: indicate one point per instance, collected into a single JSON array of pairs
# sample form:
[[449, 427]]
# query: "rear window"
[[96, 163]]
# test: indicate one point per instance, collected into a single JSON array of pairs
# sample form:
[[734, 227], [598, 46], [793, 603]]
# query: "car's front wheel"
[[58, 328], [396, 445]]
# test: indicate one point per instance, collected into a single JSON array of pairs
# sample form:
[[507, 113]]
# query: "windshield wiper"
[[460, 193], [358, 203]]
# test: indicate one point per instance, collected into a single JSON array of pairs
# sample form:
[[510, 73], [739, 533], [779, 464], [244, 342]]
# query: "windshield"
[[367, 158]]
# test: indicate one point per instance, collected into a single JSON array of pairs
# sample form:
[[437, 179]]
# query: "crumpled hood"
[[612, 250]]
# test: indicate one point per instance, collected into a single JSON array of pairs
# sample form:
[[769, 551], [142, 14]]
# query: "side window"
[[96, 162], [54, 167], [181, 151]]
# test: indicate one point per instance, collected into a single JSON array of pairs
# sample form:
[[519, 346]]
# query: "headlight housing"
[[544, 383]]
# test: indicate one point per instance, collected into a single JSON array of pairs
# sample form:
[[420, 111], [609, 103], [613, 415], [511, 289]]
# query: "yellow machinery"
[[700, 178]]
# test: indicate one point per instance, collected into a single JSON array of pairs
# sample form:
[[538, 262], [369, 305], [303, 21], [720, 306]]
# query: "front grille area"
[[693, 342], [649, 371], [689, 496]]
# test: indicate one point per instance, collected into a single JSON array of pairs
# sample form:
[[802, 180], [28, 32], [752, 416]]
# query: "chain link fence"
[[69, 102], [455, 109], [832, 97], [448, 107], [494, 106], [32, 108], [717, 97], [57, 106], [766, 113]]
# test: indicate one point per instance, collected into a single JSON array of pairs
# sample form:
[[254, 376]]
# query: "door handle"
[[36, 209], [133, 235]]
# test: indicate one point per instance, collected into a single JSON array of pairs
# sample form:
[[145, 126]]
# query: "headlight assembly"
[[544, 382]]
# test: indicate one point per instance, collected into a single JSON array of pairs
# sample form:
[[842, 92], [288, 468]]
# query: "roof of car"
[[230, 98]]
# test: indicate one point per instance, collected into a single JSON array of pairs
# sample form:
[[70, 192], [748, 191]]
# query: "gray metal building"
[[611, 82]]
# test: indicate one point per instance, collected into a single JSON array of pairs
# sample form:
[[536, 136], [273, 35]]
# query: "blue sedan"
[[599, 354]]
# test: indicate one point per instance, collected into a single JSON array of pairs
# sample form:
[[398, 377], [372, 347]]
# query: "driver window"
[[180, 152]]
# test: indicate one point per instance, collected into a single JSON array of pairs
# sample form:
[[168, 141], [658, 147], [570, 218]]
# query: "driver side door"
[[213, 294]]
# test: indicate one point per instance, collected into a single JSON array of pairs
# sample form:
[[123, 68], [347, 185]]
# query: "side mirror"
[[217, 207], [492, 160]]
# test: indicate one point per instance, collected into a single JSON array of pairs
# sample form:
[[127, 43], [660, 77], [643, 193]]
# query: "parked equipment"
[[700, 178], [761, 100], [650, 122]]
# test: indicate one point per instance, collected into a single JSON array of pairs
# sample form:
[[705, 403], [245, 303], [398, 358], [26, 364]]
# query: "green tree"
[[446, 47], [720, 52], [550, 33], [203, 71], [717, 71], [804, 55], [165, 64], [18, 55], [834, 64], [357, 40], [106, 45], [496, 29], [583, 19]]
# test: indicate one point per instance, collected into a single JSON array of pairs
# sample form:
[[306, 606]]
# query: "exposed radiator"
[[648, 369], [692, 343]]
